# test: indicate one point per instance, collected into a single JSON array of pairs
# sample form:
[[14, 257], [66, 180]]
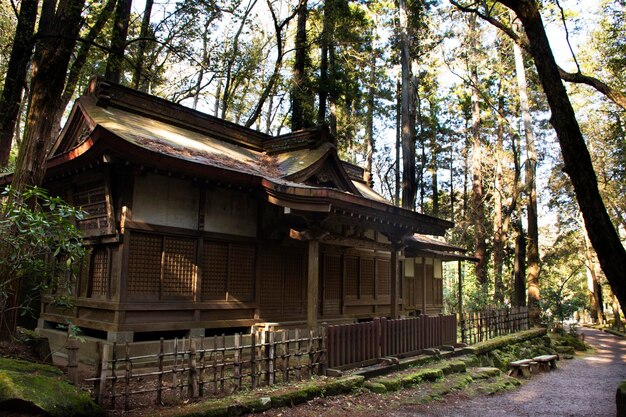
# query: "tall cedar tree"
[[21, 51], [298, 89], [576, 158], [530, 186], [119, 34], [478, 209], [59, 25]]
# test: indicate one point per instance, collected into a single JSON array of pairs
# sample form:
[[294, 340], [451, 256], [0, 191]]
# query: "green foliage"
[[40, 247]]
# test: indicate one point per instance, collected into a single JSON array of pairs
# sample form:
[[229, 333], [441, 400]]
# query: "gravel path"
[[583, 387]]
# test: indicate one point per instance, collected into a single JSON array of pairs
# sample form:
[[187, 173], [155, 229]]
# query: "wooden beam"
[[313, 284]]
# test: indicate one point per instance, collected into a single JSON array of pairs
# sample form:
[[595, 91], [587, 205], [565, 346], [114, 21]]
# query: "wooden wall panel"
[[332, 285], [241, 272], [214, 270], [294, 301], [351, 274], [383, 277], [367, 270], [144, 264], [179, 267], [271, 285]]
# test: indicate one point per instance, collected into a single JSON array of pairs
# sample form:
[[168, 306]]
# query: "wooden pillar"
[[395, 288], [460, 288], [424, 284], [313, 284]]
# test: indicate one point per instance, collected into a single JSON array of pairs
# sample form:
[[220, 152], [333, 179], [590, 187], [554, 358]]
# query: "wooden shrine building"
[[196, 225]]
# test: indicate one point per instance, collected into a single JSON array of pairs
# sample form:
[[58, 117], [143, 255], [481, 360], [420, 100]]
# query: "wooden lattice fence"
[[354, 344], [478, 326], [206, 367]]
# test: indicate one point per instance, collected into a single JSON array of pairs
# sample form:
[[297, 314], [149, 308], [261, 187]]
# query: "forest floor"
[[582, 387]]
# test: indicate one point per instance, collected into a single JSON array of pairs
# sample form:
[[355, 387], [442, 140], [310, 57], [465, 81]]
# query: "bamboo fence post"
[[214, 363], [72, 360], [113, 374], [323, 357], [202, 368], [174, 366], [298, 355], [253, 364], [311, 353], [223, 362], [193, 371], [181, 386], [159, 397], [236, 361], [271, 357], [285, 354], [101, 366], [127, 376]]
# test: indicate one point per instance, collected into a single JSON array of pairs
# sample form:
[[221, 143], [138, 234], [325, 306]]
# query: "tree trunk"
[[119, 34], [15, 80], [50, 63], [369, 122], [532, 265], [408, 128], [519, 268], [478, 210], [79, 62], [59, 27], [139, 77], [577, 161], [398, 143], [499, 236], [593, 284], [298, 89]]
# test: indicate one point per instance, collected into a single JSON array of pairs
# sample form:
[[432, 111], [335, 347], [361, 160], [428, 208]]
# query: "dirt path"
[[583, 387]]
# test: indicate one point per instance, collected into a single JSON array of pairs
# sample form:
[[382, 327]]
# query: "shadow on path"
[[582, 387]]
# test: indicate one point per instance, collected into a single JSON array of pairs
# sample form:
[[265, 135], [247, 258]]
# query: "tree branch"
[[613, 94]]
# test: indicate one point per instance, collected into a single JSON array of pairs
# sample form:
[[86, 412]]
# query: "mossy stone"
[[484, 373], [44, 387], [376, 387], [342, 385], [565, 349]]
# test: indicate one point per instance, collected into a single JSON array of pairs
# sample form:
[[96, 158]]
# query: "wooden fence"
[[478, 326], [206, 366], [350, 345]]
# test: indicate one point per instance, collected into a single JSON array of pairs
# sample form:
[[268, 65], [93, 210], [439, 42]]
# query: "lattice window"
[[92, 198], [100, 272], [144, 264], [429, 284], [383, 277], [241, 274], [179, 267], [352, 275], [438, 291], [294, 285], [367, 277], [214, 270], [332, 277], [271, 288]]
